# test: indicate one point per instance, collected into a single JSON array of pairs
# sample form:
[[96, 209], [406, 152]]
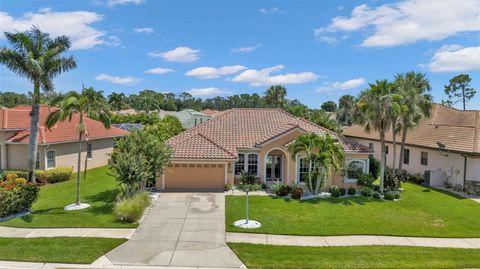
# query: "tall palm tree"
[[275, 96], [375, 108], [81, 106], [346, 103], [416, 103], [117, 101], [324, 154], [37, 57]]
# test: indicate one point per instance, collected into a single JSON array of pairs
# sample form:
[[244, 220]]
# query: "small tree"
[[324, 154], [329, 106], [459, 90]]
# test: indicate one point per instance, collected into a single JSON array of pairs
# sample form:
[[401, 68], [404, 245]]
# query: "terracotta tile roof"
[[244, 128], [458, 130], [18, 118], [209, 112]]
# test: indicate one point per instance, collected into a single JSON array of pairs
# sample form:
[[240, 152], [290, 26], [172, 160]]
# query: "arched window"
[[355, 168]]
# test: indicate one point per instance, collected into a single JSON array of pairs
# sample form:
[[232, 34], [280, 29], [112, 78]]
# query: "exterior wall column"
[[3, 156]]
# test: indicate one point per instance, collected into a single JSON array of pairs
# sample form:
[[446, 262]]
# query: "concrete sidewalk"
[[352, 240], [70, 232]]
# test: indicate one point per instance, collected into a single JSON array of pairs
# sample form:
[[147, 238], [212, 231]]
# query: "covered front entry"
[[275, 163], [194, 176]]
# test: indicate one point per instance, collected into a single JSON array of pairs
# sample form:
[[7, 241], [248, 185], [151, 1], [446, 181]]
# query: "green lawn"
[[56, 249], [420, 212], [267, 256], [99, 190]]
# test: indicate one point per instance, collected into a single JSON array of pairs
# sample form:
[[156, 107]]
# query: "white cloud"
[[127, 80], [209, 91], [247, 49], [179, 55], [206, 72], [113, 41], [263, 77], [342, 85], [146, 30], [75, 24], [112, 3], [408, 21], [159, 71], [455, 58], [271, 10]]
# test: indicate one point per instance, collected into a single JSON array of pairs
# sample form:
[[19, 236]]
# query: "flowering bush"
[[16, 195]]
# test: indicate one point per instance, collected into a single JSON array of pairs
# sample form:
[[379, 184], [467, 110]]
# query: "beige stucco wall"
[[443, 166], [67, 153]]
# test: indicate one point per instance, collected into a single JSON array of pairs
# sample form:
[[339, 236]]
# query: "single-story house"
[[190, 118], [255, 140], [444, 147], [56, 147]]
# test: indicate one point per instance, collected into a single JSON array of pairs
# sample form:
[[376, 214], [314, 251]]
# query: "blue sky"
[[319, 50]]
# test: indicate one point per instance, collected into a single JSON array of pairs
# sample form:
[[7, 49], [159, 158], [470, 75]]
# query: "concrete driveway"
[[181, 230]]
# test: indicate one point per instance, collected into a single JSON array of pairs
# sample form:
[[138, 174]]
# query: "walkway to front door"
[[181, 229]]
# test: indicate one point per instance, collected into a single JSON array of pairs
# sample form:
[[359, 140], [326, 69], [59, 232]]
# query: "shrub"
[[335, 191], [249, 187], [58, 174], [228, 187], [458, 187], [376, 195], [11, 176], [264, 186], [284, 190], [297, 193], [248, 178], [343, 191], [392, 195], [352, 191], [447, 185], [16, 195], [131, 209], [366, 191], [275, 187], [365, 180]]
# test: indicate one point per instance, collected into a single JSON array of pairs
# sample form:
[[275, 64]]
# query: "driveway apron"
[[181, 229]]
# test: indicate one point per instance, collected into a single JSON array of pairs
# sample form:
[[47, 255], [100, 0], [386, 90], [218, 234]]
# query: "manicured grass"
[[99, 190], [56, 249], [420, 212], [267, 256]]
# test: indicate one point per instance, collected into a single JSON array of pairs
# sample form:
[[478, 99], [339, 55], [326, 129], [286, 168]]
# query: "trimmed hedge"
[[54, 175], [16, 195]]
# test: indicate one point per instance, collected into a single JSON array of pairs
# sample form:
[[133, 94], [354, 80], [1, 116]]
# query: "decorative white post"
[[246, 218]]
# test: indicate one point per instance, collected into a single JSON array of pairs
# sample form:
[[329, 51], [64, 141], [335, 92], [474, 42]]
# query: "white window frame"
[[366, 165], [297, 172], [37, 161], [54, 159], [245, 163]]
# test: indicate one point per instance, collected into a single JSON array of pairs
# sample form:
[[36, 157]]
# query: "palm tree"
[[346, 103], [375, 108], [330, 155], [117, 101], [275, 96], [38, 58], [80, 105], [416, 103]]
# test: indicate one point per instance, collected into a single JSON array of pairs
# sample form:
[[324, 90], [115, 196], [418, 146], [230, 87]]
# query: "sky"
[[319, 50]]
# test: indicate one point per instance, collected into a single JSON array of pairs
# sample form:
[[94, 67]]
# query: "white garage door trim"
[[225, 167]]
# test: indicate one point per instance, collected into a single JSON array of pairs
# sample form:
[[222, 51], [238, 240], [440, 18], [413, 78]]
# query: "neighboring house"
[[456, 130], [210, 112], [213, 154], [162, 113], [190, 118], [57, 147], [129, 111]]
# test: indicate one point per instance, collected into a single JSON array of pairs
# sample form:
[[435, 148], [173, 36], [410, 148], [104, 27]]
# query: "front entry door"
[[273, 168]]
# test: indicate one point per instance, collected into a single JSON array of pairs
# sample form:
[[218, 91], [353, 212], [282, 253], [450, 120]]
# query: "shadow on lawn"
[[106, 198]]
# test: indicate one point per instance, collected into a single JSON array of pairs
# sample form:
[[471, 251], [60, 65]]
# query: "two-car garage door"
[[194, 176]]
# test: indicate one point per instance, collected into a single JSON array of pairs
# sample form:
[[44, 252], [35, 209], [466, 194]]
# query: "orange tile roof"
[[244, 128], [18, 118], [209, 112], [458, 130]]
